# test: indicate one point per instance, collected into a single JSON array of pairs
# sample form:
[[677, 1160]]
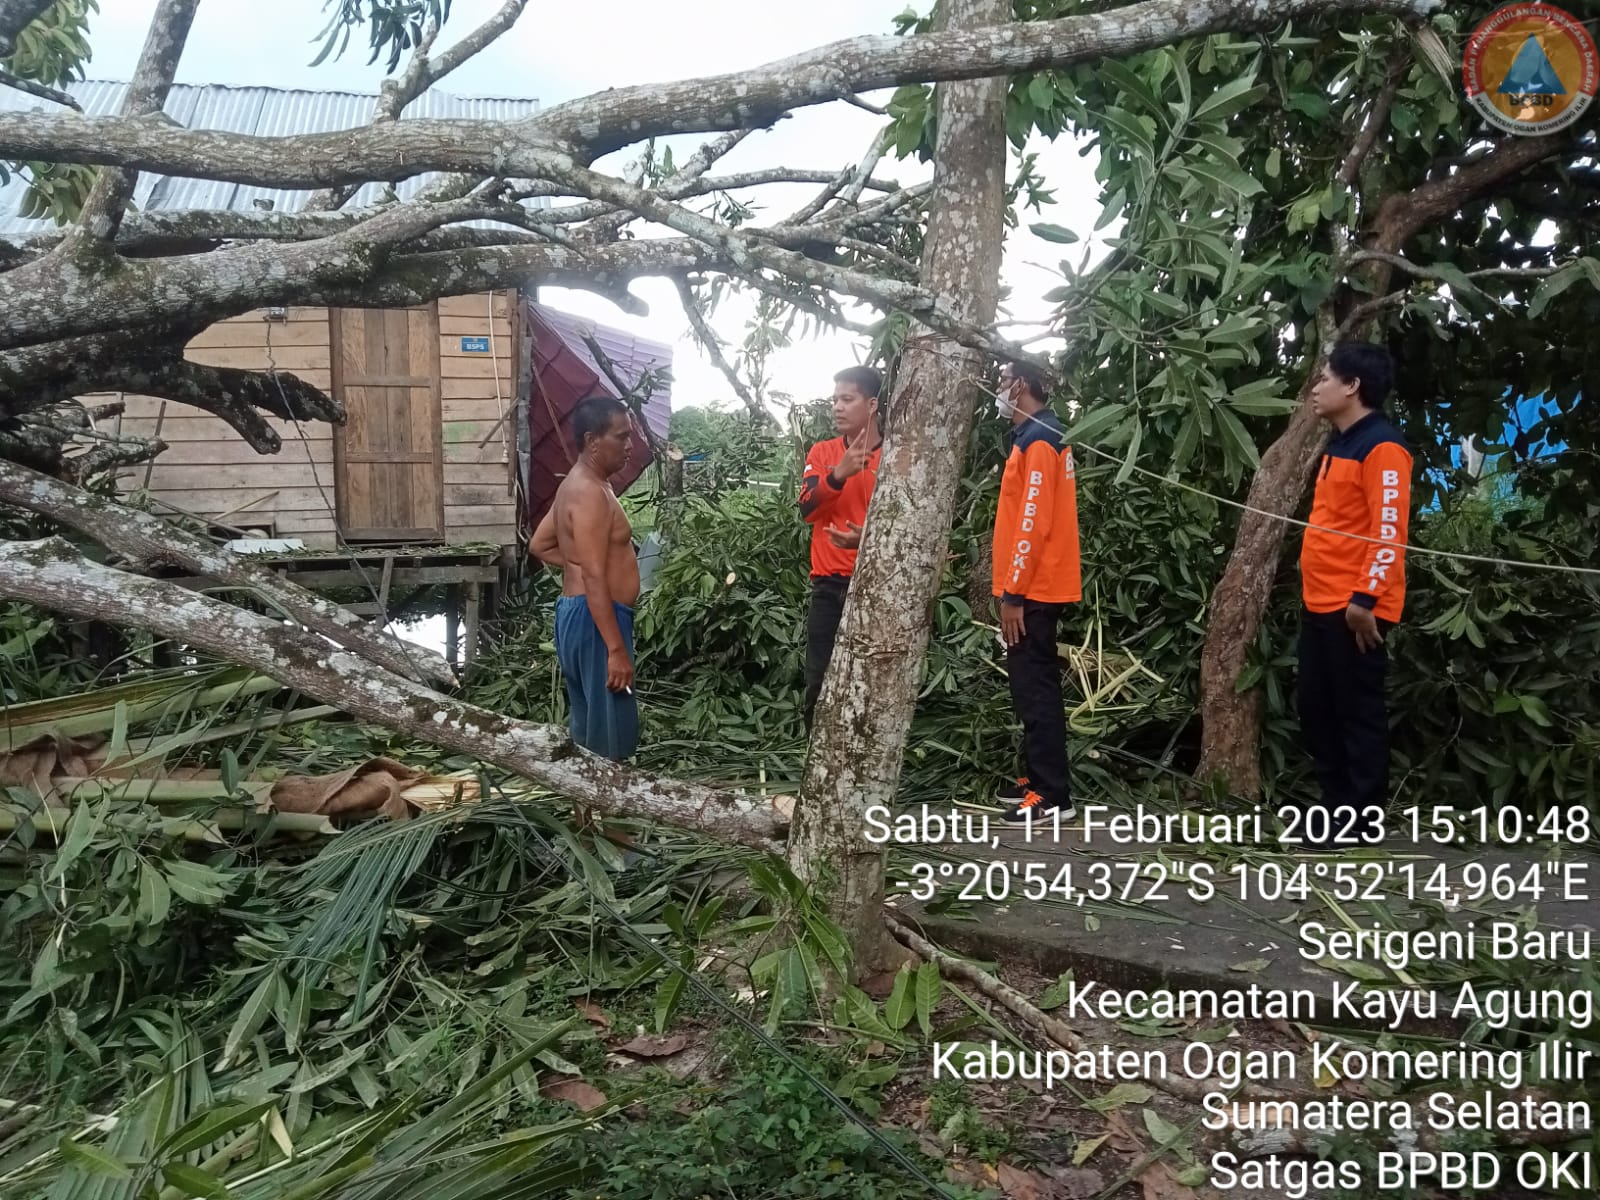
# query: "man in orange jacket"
[[1036, 574], [835, 488], [1353, 582]]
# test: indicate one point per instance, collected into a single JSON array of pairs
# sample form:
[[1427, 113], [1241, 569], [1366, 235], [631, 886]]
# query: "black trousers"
[[822, 627], [1033, 669], [1344, 718]]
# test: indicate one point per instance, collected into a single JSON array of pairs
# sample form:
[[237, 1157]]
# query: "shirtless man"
[[587, 535]]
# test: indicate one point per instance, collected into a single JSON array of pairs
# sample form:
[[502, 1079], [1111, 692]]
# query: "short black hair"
[[866, 380], [1033, 377], [594, 416], [1369, 366]]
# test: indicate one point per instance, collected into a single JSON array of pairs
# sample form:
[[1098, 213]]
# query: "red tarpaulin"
[[564, 374]]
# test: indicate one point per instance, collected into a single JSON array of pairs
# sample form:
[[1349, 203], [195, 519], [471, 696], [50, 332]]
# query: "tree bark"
[[593, 126], [52, 575], [1230, 750], [96, 230], [870, 692]]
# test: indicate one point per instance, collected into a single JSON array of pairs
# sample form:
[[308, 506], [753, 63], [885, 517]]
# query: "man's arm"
[[545, 544], [1386, 480], [588, 549], [819, 490]]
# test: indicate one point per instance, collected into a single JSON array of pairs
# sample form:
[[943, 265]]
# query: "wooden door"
[[389, 455]]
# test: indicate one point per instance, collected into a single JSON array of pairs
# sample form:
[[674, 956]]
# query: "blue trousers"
[[601, 721]]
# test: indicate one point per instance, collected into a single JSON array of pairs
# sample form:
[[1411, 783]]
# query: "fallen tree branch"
[[113, 453], [422, 73], [96, 228], [51, 574], [17, 83], [149, 542], [596, 125], [712, 345]]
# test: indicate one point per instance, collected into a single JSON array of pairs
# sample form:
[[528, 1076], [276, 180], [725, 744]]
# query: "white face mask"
[[1003, 407]]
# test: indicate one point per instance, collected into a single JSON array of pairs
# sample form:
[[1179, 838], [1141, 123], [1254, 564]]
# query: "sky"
[[558, 52]]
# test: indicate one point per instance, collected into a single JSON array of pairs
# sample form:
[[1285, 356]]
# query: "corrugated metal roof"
[[261, 112], [567, 375]]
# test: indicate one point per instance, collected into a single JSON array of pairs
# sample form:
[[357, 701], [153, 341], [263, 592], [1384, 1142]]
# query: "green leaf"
[[1058, 993], [1536, 710], [366, 1085], [1097, 423], [81, 828], [1054, 233], [92, 1160], [192, 1181], [929, 989], [1253, 967], [1132, 131], [667, 997], [862, 1013], [900, 1007], [1164, 1131], [210, 1127], [1130, 460], [198, 884], [1123, 1093], [1238, 437], [1083, 1150], [1263, 406], [1232, 97], [1552, 287], [155, 897], [1226, 178], [249, 1019], [1127, 80], [1041, 94], [117, 748]]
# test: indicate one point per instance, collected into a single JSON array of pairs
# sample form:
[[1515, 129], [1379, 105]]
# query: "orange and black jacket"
[[1363, 488], [1036, 527], [823, 504]]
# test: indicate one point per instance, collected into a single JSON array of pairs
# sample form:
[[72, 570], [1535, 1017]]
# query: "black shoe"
[[1014, 794], [1033, 808]]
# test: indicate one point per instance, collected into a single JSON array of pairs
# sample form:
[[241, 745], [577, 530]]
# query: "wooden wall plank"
[[476, 514], [472, 473], [452, 388], [478, 366], [256, 358], [232, 333], [474, 305], [213, 451]]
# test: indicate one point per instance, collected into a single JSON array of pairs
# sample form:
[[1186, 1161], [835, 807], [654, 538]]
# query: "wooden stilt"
[[383, 589], [474, 598], [452, 623]]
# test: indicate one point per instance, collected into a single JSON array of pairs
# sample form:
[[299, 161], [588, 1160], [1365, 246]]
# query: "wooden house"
[[457, 411]]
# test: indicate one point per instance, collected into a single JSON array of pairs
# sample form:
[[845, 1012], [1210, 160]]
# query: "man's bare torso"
[[579, 492]]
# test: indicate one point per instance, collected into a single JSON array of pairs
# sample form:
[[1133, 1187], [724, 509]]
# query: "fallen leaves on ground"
[[1023, 1185], [645, 1046], [1161, 1183], [575, 1091], [593, 1013]]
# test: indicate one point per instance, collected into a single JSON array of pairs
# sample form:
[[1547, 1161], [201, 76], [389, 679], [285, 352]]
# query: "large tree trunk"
[[864, 712], [1231, 740]]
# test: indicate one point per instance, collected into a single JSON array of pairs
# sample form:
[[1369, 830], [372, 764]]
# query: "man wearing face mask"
[[1036, 575], [835, 488]]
